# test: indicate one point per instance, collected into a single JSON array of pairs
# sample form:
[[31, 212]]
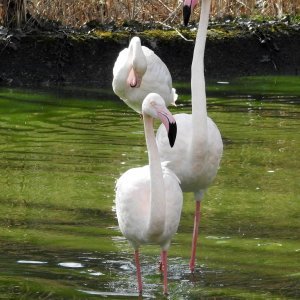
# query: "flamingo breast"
[[133, 206], [195, 168]]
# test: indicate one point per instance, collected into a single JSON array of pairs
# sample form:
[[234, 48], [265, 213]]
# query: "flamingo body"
[[196, 167], [133, 206], [149, 199], [133, 74], [196, 156]]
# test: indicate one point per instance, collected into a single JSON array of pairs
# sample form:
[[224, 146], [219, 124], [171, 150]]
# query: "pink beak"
[[133, 79], [188, 7], [169, 122]]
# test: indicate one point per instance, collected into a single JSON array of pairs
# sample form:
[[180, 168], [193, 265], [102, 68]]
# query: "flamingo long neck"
[[138, 56], [135, 54], [199, 112], [156, 221], [122, 75]]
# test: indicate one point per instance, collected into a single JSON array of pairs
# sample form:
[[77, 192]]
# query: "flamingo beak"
[[188, 7], [172, 133], [169, 122], [186, 12], [133, 80]]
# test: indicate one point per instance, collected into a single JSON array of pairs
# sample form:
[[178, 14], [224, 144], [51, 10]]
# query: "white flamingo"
[[149, 198], [197, 153], [137, 72]]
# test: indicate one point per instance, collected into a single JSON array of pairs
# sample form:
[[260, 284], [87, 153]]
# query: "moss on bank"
[[86, 56]]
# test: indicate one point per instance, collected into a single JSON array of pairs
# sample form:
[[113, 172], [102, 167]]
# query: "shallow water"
[[61, 152]]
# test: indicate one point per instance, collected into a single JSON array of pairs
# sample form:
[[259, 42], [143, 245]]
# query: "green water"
[[61, 153]]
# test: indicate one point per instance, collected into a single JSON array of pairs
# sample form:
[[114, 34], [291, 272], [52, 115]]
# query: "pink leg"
[[195, 236], [164, 255], [138, 271]]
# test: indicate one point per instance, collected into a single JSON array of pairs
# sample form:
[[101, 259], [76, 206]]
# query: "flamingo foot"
[[195, 236]]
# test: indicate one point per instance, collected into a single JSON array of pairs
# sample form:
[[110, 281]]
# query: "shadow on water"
[[61, 153]]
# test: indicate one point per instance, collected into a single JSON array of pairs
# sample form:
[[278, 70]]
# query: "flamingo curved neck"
[[156, 222], [199, 112], [137, 58]]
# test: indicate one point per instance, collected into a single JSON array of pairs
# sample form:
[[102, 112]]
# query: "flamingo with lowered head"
[[196, 156], [149, 198], [137, 72]]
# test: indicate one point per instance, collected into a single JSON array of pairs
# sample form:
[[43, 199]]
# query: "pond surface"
[[61, 153]]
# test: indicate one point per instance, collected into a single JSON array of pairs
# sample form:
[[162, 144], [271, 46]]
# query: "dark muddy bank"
[[67, 57]]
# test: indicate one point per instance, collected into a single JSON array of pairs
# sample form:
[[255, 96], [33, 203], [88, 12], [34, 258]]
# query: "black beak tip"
[[172, 133], [186, 12]]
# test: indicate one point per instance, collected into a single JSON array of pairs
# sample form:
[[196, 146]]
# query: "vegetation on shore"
[[24, 13]]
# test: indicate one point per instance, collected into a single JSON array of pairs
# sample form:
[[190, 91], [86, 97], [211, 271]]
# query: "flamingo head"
[[188, 7], [138, 65], [154, 106]]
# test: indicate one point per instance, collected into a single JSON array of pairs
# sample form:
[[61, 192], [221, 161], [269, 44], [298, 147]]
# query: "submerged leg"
[[138, 271], [164, 255], [195, 236]]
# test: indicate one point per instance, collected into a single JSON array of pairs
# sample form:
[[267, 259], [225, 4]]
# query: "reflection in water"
[[71, 265], [113, 294], [34, 262], [60, 154]]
